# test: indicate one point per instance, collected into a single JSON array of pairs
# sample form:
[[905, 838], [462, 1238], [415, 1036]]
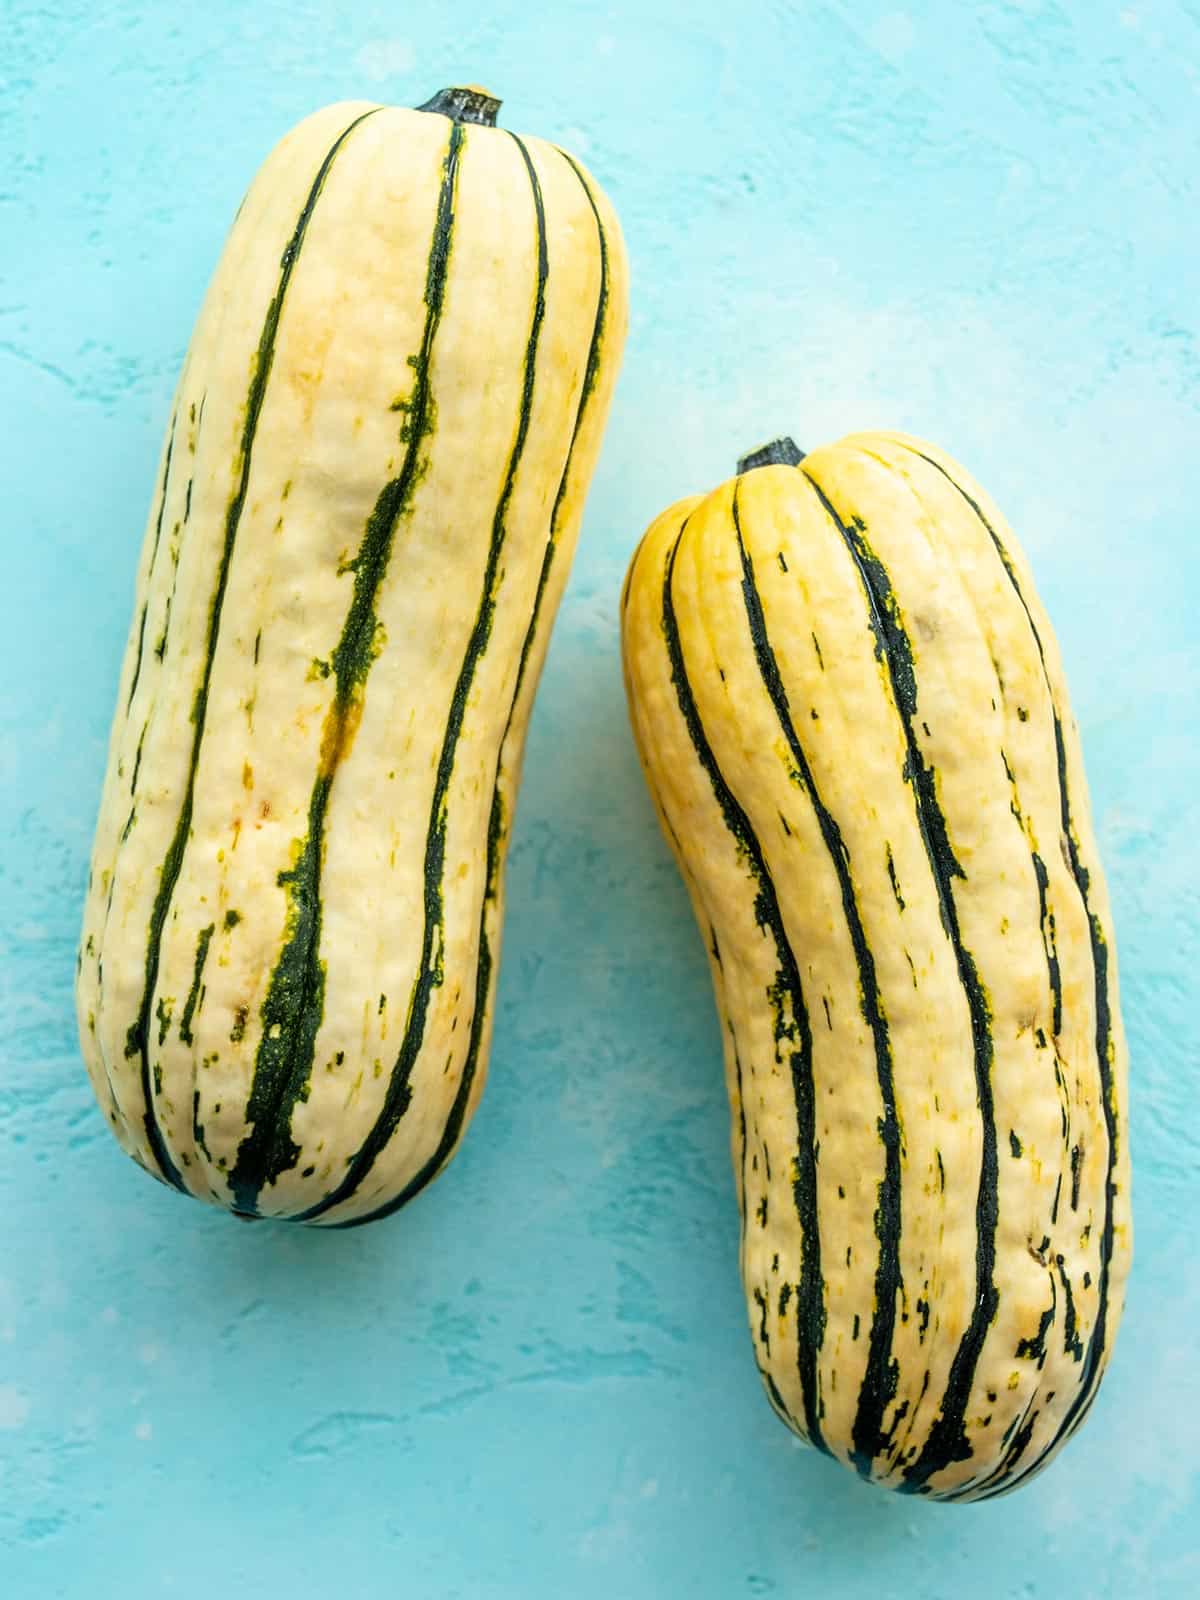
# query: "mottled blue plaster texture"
[[978, 223]]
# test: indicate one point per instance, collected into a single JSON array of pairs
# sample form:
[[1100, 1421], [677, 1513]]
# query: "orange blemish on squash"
[[338, 736]]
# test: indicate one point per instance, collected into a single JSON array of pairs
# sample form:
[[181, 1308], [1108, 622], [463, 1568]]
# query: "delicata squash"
[[365, 511], [853, 720]]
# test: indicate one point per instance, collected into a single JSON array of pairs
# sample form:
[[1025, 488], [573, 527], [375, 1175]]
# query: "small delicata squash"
[[365, 510], [853, 720]]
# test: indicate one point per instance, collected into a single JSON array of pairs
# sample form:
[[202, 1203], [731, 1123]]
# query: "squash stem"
[[782, 452], [469, 104]]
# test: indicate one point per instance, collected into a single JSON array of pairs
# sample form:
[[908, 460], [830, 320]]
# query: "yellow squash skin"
[[363, 519], [852, 717]]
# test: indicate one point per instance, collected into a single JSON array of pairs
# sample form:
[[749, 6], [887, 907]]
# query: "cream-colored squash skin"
[[352, 563], [849, 706], [149, 747]]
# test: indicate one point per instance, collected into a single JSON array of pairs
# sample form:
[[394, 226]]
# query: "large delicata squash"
[[364, 515], [852, 716]]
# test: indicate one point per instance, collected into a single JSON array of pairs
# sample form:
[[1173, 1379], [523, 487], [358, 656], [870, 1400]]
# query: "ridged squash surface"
[[852, 716], [364, 514]]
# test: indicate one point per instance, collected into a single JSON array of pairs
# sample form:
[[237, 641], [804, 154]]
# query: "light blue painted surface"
[[977, 223]]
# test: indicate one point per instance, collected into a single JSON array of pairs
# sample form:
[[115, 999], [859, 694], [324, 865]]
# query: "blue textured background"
[[977, 223]]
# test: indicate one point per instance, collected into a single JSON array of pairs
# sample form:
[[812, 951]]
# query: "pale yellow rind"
[[984, 698], [219, 364], [329, 436]]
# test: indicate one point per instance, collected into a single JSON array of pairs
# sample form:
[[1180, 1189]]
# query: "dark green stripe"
[[891, 868], [1035, 1348], [591, 371], [743, 1141], [1002, 1481], [1071, 1342], [430, 974], [1049, 941], [760, 1300], [1020, 1433], [160, 649], [1064, 1099], [882, 1370], [198, 1127], [810, 1309], [1045, 914], [497, 830], [727, 1022], [1014, 1445], [773, 1394], [193, 999], [294, 1005], [1090, 1377], [137, 1042], [947, 1440], [902, 1447], [137, 667], [158, 522], [1076, 1174], [137, 760]]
